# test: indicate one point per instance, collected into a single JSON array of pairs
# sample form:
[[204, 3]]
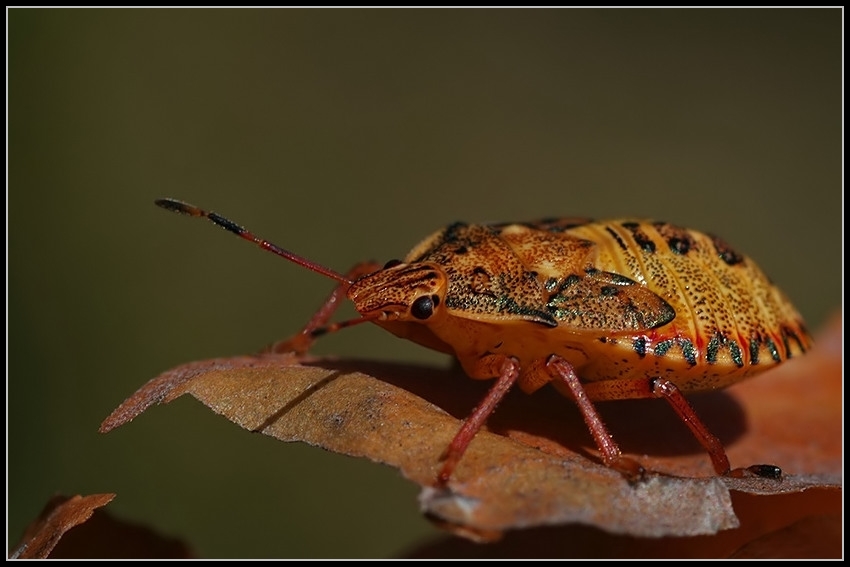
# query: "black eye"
[[392, 263], [422, 308]]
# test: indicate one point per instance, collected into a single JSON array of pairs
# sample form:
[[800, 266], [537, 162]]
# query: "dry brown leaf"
[[60, 515], [536, 464], [104, 536], [95, 534], [811, 519]]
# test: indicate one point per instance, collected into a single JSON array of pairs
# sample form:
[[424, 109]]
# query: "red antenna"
[[193, 211]]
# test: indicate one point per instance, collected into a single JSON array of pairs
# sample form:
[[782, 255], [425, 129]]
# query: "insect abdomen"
[[728, 314]]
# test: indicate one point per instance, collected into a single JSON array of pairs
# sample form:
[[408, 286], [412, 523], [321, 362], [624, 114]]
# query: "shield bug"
[[604, 310]]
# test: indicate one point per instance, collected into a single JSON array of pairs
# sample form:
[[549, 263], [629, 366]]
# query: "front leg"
[[301, 342]]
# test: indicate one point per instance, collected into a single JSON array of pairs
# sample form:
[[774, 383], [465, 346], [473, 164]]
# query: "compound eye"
[[423, 307], [392, 264]]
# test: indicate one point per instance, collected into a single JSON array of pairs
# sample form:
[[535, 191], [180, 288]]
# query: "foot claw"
[[629, 468], [299, 344]]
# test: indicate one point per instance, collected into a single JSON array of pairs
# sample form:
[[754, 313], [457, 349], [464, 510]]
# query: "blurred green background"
[[349, 135]]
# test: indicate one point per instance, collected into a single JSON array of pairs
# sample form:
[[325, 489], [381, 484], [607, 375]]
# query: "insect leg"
[[508, 369], [666, 389], [563, 371], [662, 388], [318, 323]]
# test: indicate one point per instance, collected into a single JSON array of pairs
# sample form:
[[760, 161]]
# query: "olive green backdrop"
[[349, 135]]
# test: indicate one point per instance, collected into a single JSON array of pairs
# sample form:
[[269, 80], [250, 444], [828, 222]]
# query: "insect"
[[603, 310]]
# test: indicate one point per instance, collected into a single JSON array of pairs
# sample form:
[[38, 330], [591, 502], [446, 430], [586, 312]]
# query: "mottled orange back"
[[618, 299]]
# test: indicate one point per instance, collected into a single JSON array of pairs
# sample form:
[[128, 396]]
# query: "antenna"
[[186, 209]]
